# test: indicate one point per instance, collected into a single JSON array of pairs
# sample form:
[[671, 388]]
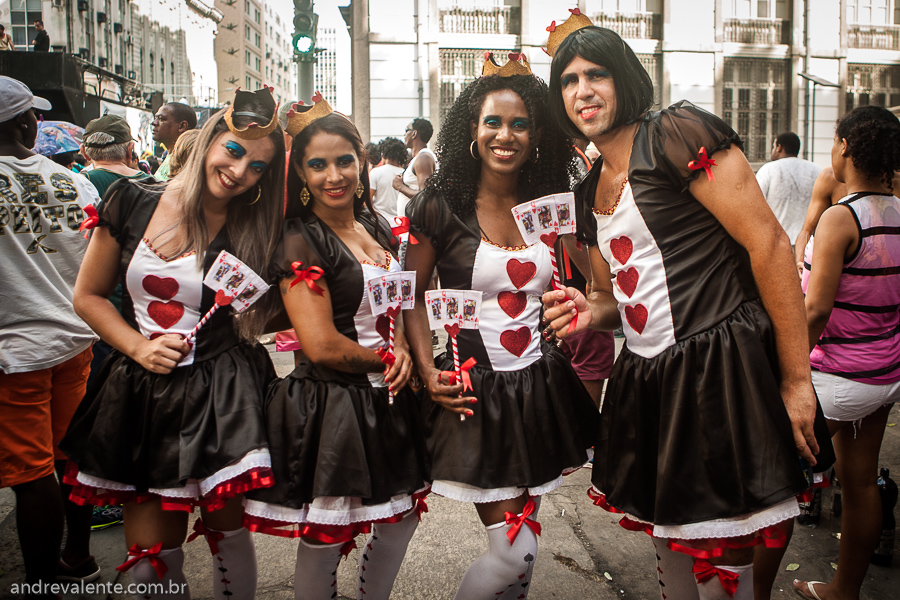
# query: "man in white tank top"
[[422, 165]]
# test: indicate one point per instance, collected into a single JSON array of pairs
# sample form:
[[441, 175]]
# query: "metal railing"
[[875, 37], [766, 32], [631, 26], [476, 20]]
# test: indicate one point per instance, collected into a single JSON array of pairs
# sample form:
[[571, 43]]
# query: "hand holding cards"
[[235, 284], [389, 294]]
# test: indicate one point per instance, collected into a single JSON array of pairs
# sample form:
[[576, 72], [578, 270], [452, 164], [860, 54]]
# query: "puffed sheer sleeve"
[[429, 215], [298, 244], [116, 209], [677, 136]]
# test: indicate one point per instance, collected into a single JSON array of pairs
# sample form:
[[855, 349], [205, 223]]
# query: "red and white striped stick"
[[391, 350], [456, 368], [203, 321], [556, 280]]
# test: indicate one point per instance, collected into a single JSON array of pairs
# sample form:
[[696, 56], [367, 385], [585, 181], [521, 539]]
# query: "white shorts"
[[847, 400]]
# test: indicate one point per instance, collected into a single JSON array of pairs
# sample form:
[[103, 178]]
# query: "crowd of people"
[[127, 380]]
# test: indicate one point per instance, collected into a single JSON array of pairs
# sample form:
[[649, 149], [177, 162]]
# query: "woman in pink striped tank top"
[[851, 277]]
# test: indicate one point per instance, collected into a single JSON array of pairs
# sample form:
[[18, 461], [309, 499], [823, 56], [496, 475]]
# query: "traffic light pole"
[[305, 80]]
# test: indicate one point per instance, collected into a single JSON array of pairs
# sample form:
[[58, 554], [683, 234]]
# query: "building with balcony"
[[765, 66], [145, 41], [253, 48]]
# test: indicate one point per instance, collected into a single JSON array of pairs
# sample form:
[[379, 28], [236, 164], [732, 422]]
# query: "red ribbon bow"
[[212, 537], [151, 554], [308, 275], [387, 357], [401, 228], [464, 373], [703, 162], [704, 571], [90, 221], [518, 520], [421, 507]]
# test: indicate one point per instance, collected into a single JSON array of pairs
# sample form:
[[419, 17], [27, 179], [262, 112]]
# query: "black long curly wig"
[[459, 175], [873, 141]]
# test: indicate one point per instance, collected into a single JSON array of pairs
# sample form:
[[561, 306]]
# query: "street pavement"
[[583, 553]]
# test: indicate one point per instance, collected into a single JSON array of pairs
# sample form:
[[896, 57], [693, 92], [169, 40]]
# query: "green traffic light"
[[302, 43]]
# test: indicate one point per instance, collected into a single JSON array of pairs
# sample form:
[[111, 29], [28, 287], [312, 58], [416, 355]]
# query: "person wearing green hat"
[[109, 144]]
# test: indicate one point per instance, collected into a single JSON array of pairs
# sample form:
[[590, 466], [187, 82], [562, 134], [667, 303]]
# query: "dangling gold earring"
[[360, 189], [304, 195], [472, 150], [537, 154], [258, 194]]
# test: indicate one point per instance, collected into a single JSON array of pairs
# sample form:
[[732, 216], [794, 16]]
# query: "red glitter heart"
[[512, 303], [549, 238], [223, 299], [165, 314], [627, 280], [393, 312], [621, 248], [516, 341], [382, 326], [453, 330], [636, 317], [164, 288], [520, 272]]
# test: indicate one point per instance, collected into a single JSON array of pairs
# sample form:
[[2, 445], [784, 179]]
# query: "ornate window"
[[873, 84], [755, 102]]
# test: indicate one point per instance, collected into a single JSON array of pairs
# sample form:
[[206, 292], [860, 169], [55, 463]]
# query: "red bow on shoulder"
[[704, 571], [212, 537], [518, 520], [308, 275], [703, 162], [90, 221], [152, 554], [401, 228]]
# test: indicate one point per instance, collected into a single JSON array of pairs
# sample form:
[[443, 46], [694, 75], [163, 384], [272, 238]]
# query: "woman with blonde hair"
[[182, 152]]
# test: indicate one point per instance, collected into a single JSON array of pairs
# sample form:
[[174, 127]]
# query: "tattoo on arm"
[[284, 287], [357, 364]]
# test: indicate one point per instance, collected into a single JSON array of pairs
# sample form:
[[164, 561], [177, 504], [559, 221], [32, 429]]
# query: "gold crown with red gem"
[[560, 32], [255, 130], [302, 115], [517, 65]]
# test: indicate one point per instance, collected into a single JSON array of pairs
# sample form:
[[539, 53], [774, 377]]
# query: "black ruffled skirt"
[[194, 437], [341, 454], [700, 432], [530, 426]]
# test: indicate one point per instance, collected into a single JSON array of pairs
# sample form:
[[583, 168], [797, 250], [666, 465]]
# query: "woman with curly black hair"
[[529, 419], [852, 285]]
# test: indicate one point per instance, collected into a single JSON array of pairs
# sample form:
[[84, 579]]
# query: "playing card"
[[235, 279], [526, 221], [471, 301]]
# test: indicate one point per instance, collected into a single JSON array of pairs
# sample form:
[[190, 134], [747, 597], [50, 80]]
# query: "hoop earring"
[[472, 150], [258, 194], [360, 189], [304, 195]]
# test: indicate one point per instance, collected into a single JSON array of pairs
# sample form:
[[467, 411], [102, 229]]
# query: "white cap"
[[16, 98]]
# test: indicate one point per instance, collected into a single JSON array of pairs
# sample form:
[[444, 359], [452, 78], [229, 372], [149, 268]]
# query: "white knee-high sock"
[[712, 589], [382, 556], [674, 573], [234, 567], [315, 576], [504, 569], [520, 591], [171, 586]]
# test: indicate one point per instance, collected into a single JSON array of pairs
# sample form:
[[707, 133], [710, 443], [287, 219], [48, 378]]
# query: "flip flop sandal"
[[810, 587]]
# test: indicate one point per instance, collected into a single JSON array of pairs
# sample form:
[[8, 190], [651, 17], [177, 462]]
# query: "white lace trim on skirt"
[[469, 493], [331, 510]]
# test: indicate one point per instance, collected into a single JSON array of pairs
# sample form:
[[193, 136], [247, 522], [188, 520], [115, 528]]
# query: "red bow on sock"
[[518, 520], [403, 227], [703, 162], [308, 275], [704, 571], [151, 554], [90, 221], [212, 537]]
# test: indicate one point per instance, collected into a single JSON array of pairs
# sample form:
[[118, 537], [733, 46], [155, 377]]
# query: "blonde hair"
[[182, 151], [253, 225]]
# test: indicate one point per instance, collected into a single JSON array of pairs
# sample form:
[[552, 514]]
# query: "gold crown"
[[560, 32], [517, 65], [254, 130], [300, 115]]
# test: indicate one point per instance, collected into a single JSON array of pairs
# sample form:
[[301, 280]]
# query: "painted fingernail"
[[473, 400], [469, 413]]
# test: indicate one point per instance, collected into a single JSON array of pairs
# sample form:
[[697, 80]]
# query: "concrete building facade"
[[764, 66], [253, 48]]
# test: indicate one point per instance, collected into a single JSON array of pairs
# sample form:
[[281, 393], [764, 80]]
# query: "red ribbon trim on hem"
[[152, 554], [704, 571], [90, 221], [518, 520], [703, 162], [403, 227], [212, 537], [307, 275]]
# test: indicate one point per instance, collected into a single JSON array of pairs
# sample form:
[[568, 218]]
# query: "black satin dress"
[[693, 427], [194, 437]]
